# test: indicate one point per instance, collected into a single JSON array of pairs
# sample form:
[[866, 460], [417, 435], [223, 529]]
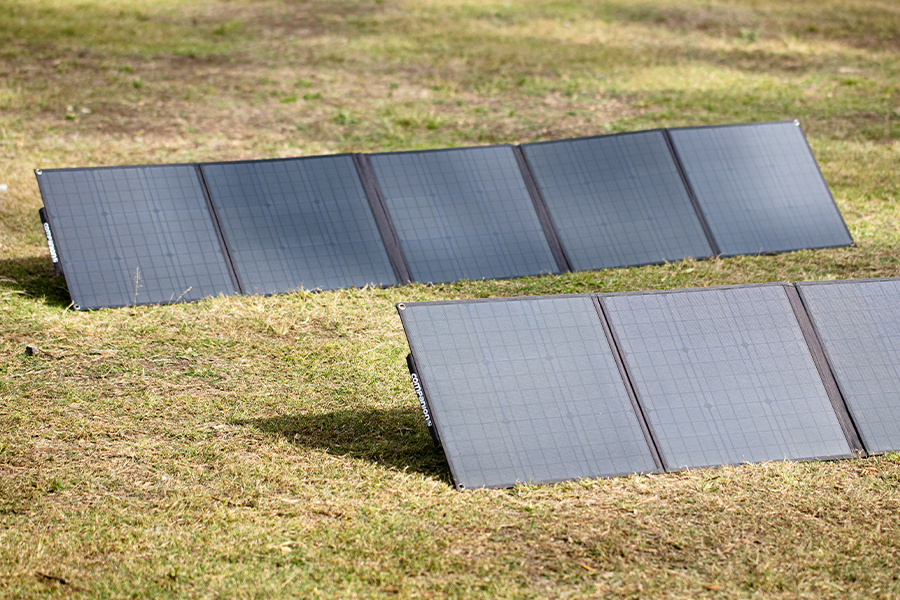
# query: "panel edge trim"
[[401, 307]]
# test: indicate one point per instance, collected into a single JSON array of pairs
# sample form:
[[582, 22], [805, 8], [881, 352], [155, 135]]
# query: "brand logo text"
[[50, 243], [421, 395]]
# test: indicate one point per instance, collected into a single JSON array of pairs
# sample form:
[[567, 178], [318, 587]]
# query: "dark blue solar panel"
[[726, 376], [296, 223], [617, 200], [760, 188], [859, 324], [134, 235], [463, 214], [525, 390]]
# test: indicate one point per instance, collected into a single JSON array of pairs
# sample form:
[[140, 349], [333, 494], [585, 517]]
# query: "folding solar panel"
[[618, 200], [524, 390], [859, 324], [134, 235], [302, 222], [463, 214], [725, 376], [760, 188]]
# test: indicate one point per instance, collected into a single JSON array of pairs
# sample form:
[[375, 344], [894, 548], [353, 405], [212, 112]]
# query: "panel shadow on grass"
[[34, 277], [396, 438]]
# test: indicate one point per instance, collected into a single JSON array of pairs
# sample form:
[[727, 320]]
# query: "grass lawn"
[[249, 447]]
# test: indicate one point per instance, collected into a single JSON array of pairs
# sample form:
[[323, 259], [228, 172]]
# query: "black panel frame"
[[401, 307], [627, 367], [849, 434], [793, 294], [376, 205], [388, 231]]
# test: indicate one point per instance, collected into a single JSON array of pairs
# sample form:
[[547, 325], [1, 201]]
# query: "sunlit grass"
[[272, 447]]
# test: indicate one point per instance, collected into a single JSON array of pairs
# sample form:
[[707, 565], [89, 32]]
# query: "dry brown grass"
[[272, 447]]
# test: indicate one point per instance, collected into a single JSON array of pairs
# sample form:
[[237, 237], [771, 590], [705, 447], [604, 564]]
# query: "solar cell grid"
[[131, 235], [859, 325], [463, 214], [617, 200], [298, 223], [725, 376], [525, 391], [760, 188]]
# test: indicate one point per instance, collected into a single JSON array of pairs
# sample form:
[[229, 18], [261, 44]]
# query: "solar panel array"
[[528, 390], [157, 234]]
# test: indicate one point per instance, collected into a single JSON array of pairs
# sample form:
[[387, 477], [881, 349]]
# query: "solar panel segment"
[[298, 223], [525, 390], [725, 376], [134, 235], [617, 200], [859, 325], [463, 214], [760, 188]]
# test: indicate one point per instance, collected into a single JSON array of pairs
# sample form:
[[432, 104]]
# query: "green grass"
[[272, 447]]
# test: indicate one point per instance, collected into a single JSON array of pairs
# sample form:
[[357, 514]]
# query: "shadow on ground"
[[396, 438], [34, 277]]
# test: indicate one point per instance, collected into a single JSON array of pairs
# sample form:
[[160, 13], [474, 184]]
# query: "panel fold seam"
[[825, 370], [628, 380], [704, 224], [543, 213], [383, 220], [220, 233]]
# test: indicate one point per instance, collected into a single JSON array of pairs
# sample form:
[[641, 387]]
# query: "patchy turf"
[[272, 447]]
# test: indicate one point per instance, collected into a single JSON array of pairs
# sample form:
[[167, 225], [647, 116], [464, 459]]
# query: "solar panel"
[[301, 222], [725, 376], [134, 235], [525, 390], [463, 214], [859, 325], [760, 188], [617, 200]]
